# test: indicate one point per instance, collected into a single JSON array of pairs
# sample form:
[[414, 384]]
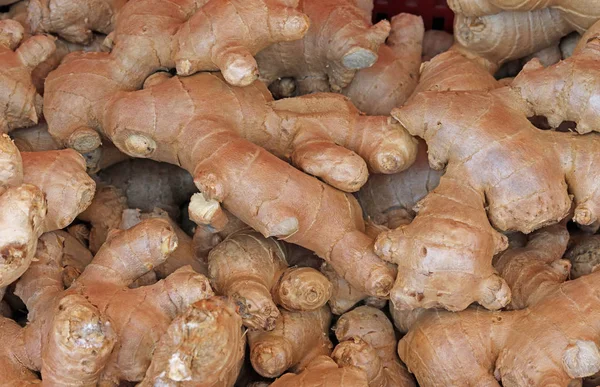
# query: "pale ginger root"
[[297, 339], [272, 197], [147, 185], [204, 346], [21, 104], [324, 372], [531, 270], [340, 41], [183, 255], [389, 199], [534, 346], [435, 42], [138, 316], [521, 176], [584, 255], [254, 272], [103, 214], [34, 139], [73, 22], [368, 342], [391, 80]]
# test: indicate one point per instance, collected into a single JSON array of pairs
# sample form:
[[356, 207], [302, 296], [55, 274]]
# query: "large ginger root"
[[324, 372], [297, 339], [149, 185], [529, 189], [290, 204], [392, 79], [340, 41], [533, 347], [368, 342], [530, 270], [254, 272], [21, 105], [202, 347], [138, 316]]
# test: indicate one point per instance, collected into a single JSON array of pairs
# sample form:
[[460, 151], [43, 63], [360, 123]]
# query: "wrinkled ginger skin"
[[21, 105], [254, 272], [584, 255], [298, 337], [204, 346], [340, 41], [534, 346], [324, 372]]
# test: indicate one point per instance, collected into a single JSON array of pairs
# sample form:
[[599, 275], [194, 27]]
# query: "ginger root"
[[324, 372], [254, 272], [298, 337], [584, 255]]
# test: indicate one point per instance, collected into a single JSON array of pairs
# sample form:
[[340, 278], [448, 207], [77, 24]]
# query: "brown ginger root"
[[34, 139], [435, 42], [340, 41], [324, 372], [21, 105], [254, 272], [297, 339], [368, 342], [204, 346], [534, 346], [584, 255], [391, 80], [138, 316]]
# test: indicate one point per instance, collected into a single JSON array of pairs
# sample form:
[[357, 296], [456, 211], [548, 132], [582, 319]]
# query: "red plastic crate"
[[435, 13]]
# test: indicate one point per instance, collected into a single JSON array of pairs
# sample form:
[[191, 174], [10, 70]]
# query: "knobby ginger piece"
[[20, 103], [204, 346], [298, 337], [324, 372], [391, 80], [138, 316], [340, 41], [368, 342], [254, 272], [534, 346]]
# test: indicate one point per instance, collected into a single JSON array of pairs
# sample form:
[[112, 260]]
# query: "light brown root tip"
[[495, 293], [304, 288], [581, 359], [359, 58], [270, 360], [583, 216], [285, 228], [84, 140], [140, 145], [296, 26], [390, 162]]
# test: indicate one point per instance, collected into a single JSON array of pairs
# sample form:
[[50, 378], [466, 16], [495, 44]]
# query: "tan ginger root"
[[204, 346], [529, 189], [34, 139], [324, 372], [147, 185], [138, 316], [534, 347], [584, 255], [254, 272], [291, 205], [340, 41], [435, 42], [297, 339], [21, 105], [368, 342], [392, 79]]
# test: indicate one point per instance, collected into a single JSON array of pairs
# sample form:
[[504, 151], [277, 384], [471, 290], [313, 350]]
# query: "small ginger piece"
[[204, 346], [435, 42], [324, 372], [254, 272], [391, 80], [21, 105], [368, 342], [298, 337], [34, 139], [584, 255]]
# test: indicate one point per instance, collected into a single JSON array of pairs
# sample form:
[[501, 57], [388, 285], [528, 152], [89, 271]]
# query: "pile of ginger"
[[284, 193]]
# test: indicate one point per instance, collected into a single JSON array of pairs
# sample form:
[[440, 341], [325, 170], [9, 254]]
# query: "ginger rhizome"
[[138, 316], [298, 337], [324, 372], [340, 41], [584, 255], [452, 270], [20, 102], [39, 192], [391, 80], [368, 342], [204, 346], [272, 197], [534, 346], [254, 272]]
